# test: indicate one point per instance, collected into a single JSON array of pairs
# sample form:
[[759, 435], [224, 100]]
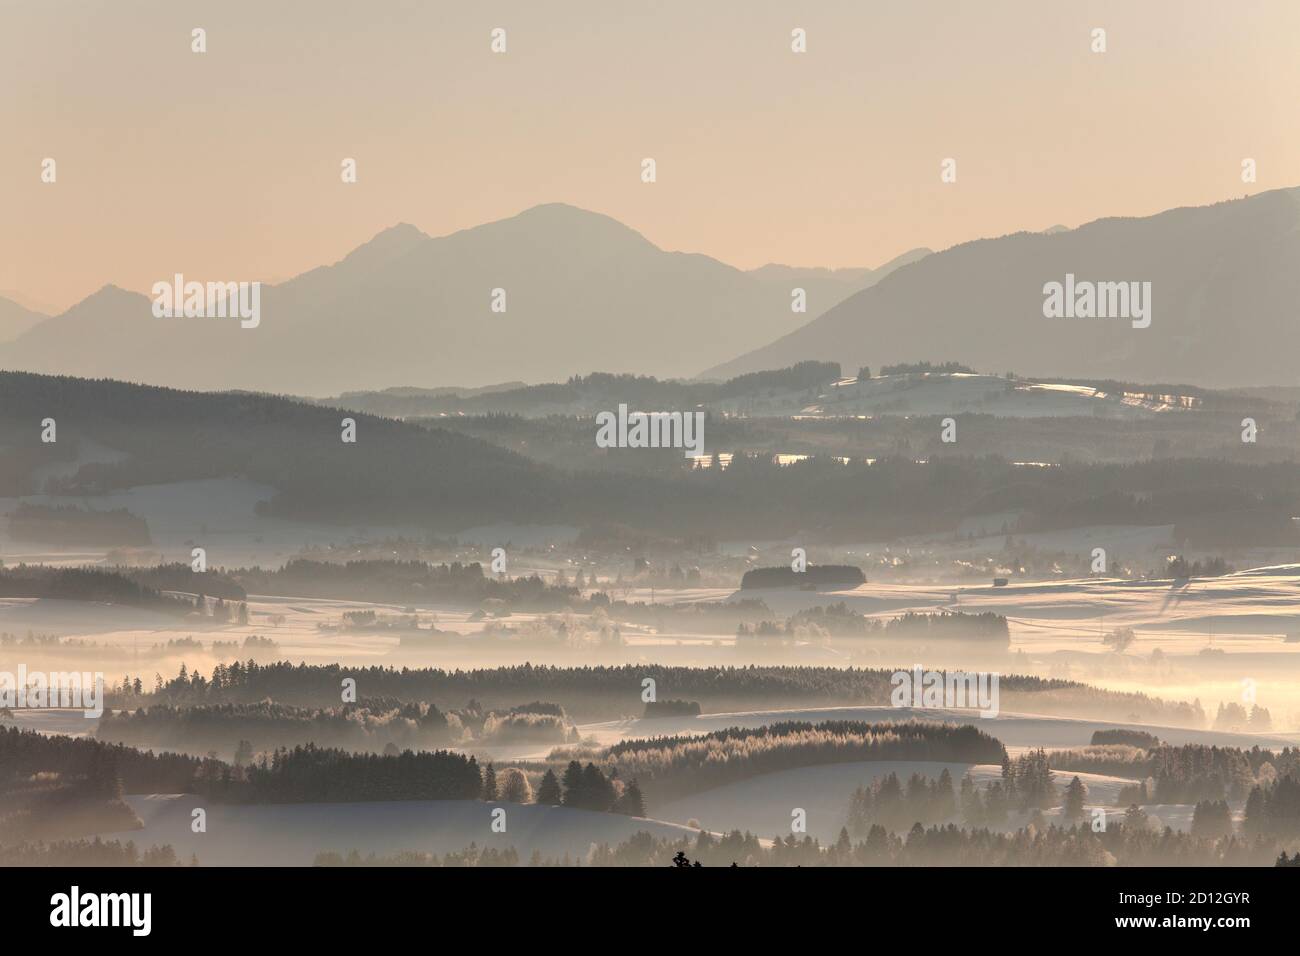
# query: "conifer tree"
[[1074, 795], [548, 791], [631, 802], [573, 789]]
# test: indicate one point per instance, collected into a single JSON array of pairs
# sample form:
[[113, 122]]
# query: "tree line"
[[437, 477], [1188, 773], [370, 724], [1032, 845], [604, 692], [838, 621], [670, 767], [79, 853]]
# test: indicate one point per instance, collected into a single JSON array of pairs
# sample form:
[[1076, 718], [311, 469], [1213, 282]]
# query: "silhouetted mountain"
[[1224, 290], [582, 292], [16, 319]]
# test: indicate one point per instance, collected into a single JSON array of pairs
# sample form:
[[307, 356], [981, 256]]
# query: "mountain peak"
[[562, 215], [402, 231], [556, 210], [395, 238], [387, 244], [107, 293]]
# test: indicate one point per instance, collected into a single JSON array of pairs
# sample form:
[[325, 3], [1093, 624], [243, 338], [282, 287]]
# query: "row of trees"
[[370, 724], [887, 803], [56, 806], [1028, 781], [86, 584], [1189, 773], [402, 582], [79, 853], [601, 693], [838, 621], [670, 767], [927, 801], [598, 390], [1235, 717], [1274, 808], [588, 788], [303, 774], [1121, 845]]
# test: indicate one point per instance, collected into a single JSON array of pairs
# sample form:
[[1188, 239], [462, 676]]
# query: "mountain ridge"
[[581, 291], [1223, 280]]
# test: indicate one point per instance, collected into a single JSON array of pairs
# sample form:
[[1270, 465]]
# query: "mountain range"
[[16, 319], [582, 293]]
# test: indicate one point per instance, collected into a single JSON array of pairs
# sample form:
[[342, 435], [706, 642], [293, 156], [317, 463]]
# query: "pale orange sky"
[[225, 165]]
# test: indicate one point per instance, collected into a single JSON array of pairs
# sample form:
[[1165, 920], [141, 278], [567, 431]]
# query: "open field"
[[292, 835], [763, 804], [1246, 612], [1199, 638]]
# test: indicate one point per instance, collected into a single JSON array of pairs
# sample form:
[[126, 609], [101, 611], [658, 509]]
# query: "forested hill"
[[112, 436], [392, 471], [787, 388]]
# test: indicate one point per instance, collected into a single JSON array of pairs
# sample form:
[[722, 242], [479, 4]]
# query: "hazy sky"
[[225, 165]]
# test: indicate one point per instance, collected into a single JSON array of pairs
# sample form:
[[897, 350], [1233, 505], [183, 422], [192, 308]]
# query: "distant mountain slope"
[[582, 292], [1225, 294], [16, 319], [848, 280]]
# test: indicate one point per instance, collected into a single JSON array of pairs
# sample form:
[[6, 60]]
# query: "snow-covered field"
[[105, 622], [69, 723], [1240, 613], [292, 834], [1056, 627], [1246, 611], [764, 804], [214, 513]]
